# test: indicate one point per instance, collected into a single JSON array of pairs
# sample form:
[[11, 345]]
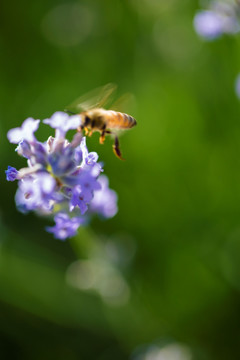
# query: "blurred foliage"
[[175, 243]]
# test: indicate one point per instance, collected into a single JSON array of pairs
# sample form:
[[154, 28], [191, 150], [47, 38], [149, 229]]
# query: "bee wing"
[[125, 103], [96, 98]]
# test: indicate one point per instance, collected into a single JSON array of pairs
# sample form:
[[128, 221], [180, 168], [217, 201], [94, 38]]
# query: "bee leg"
[[86, 130], [116, 149], [103, 133], [102, 137]]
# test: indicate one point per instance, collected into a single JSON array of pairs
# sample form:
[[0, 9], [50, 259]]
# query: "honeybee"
[[96, 118]]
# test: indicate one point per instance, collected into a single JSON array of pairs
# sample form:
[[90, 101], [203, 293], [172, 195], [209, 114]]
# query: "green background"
[[174, 246]]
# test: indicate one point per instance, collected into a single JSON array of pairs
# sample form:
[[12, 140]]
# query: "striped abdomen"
[[119, 120]]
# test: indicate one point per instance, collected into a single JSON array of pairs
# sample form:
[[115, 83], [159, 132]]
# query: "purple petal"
[[24, 149], [81, 198], [11, 173], [65, 226], [104, 201], [62, 122], [208, 24], [25, 132], [38, 192]]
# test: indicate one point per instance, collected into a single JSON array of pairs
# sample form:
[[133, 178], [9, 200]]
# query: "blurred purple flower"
[[11, 173], [62, 159], [80, 198], [37, 193], [219, 19], [25, 132], [88, 181], [65, 226], [62, 122], [61, 178], [88, 158], [208, 24], [24, 149], [104, 201]]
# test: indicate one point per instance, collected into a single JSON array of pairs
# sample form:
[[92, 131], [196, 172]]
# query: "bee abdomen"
[[120, 120], [132, 122]]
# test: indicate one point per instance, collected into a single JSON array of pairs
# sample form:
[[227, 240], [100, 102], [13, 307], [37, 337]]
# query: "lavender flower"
[[25, 132], [105, 199], [65, 226], [61, 178], [24, 149], [220, 18], [11, 173], [208, 24], [62, 123], [38, 193]]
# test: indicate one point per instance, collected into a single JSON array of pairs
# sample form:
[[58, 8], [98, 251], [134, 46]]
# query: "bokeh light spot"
[[68, 24]]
